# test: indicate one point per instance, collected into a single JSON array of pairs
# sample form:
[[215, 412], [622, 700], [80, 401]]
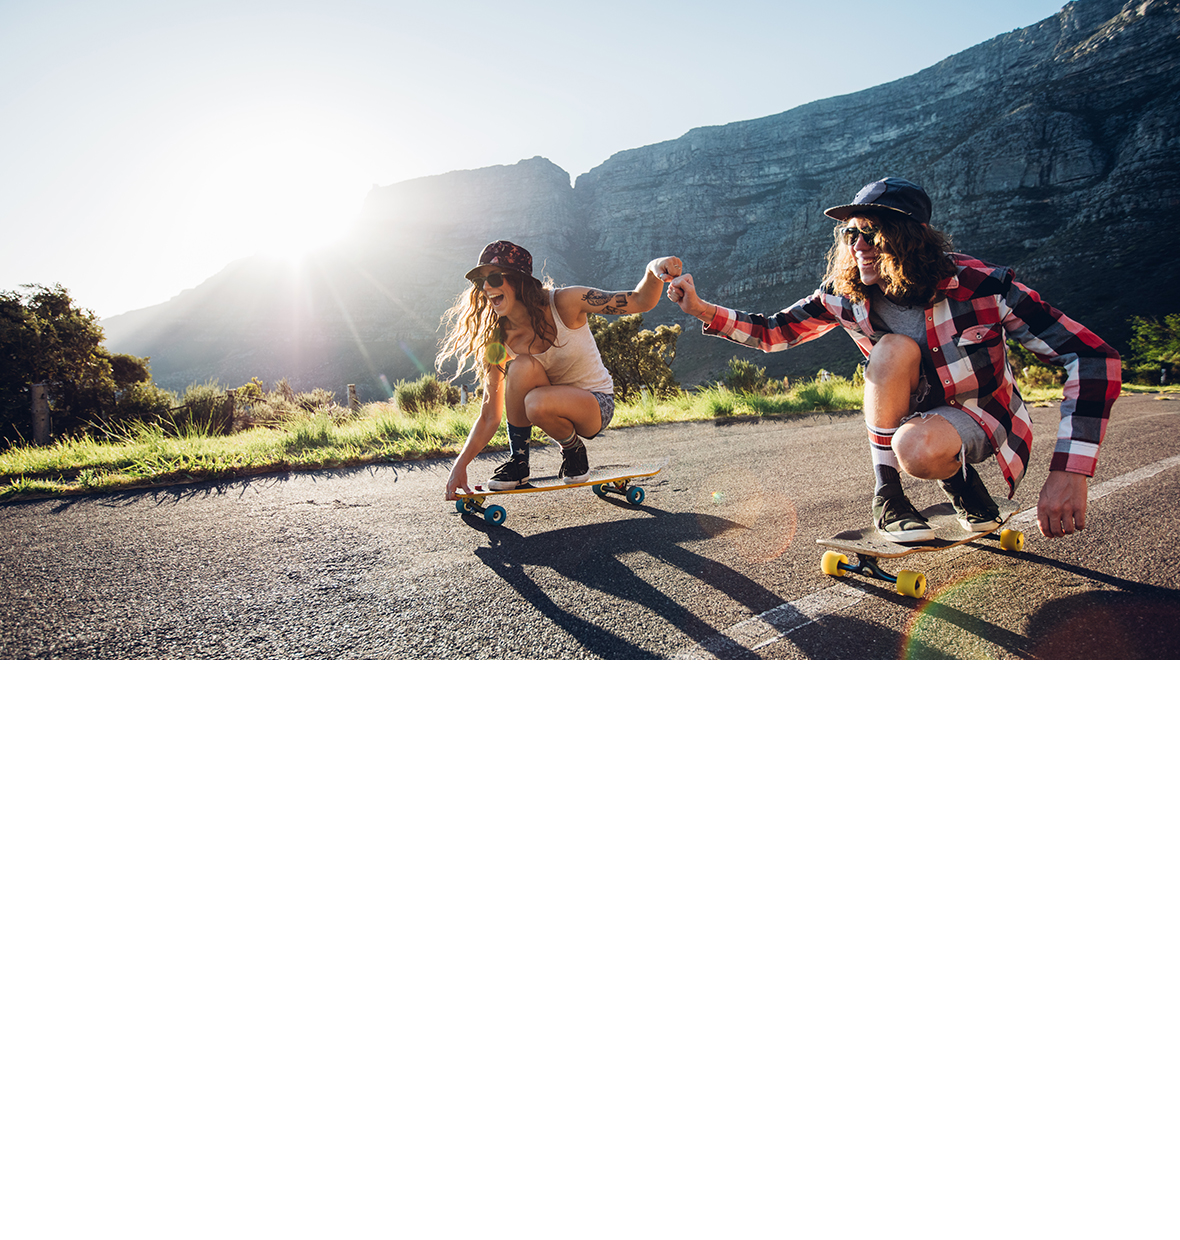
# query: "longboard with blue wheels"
[[867, 547], [607, 480]]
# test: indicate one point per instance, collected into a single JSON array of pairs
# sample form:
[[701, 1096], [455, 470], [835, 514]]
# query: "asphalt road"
[[719, 562]]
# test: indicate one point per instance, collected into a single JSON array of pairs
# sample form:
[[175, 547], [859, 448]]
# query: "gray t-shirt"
[[890, 316]]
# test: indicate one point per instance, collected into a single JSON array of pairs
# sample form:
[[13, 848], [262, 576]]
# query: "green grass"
[[147, 456]]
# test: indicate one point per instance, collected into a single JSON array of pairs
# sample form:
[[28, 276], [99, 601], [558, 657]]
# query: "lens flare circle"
[[760, 523]]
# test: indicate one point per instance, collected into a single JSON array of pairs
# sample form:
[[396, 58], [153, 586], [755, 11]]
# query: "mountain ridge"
[[1052, 148]]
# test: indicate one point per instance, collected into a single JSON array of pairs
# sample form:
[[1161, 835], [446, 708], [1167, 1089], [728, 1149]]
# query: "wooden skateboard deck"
[[606, 479], [868, 546]]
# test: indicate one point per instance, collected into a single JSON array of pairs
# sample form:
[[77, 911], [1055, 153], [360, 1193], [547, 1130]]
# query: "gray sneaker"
[[898, 520], [974, 507]]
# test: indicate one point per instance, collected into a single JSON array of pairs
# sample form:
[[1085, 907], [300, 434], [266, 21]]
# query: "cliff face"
[[1054, 149]]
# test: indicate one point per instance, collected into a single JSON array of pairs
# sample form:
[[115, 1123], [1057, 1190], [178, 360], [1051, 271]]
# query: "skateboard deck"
[[606, 480], [868, 546]]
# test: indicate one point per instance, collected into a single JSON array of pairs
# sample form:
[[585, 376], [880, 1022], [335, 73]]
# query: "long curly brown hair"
[[476, 334], [912, 259]]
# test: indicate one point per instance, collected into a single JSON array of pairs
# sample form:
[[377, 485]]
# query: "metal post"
[[41, 425]]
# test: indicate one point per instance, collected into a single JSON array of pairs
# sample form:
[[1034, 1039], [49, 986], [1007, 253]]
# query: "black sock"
[[518, 439]]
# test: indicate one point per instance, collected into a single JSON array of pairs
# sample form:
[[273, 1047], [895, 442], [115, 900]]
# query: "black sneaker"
[[512, 474], [575, 466], [974, 507], [898, 520]]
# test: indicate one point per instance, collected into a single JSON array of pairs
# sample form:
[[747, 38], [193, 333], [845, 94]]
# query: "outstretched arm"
[[578, 301]]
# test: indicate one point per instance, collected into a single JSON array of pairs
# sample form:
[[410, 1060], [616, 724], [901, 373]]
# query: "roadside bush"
[[318, 400], [142, 402], [741, 375], [282, 404], [422, 394], [203, 410]]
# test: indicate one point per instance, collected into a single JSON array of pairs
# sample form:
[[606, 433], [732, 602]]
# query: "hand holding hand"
[[665, 268], [683, 292], [1061, 508]]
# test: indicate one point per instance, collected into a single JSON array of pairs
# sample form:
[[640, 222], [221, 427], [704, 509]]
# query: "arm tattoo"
[[605, 303]]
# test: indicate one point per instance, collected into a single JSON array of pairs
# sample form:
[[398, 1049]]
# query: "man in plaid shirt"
[[939, 391]]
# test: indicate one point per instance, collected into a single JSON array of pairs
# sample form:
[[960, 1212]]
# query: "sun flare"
[[295, 226]]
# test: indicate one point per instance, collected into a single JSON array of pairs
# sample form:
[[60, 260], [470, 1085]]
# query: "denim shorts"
[[606, 402], [976, 445]]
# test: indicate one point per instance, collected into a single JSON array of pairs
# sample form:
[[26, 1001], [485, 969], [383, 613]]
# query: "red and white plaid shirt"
[[967, 322]]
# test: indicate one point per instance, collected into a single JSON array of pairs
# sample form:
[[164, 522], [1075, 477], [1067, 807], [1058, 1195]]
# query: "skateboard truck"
[[907, 582], [837, 564]]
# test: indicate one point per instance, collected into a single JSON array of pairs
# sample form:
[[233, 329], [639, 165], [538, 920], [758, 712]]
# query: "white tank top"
[[574, 358]]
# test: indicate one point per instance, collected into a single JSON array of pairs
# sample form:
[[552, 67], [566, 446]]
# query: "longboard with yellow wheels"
[[607, 480], [861, 551]]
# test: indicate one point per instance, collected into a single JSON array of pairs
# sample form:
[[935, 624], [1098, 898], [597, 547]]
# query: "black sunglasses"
[[493, 281], [851, 234]]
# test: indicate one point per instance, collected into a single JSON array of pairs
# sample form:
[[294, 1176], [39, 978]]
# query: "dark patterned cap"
[[506, 256], [891, 194]]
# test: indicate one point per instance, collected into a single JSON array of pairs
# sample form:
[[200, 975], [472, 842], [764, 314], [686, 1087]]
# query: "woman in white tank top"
[[537, 358]]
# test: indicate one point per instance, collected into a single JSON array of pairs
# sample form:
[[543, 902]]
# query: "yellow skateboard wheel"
[[913, 585], [1012, 540], [832, 564]]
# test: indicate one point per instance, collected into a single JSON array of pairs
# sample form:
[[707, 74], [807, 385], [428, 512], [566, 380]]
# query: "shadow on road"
[[177, 492], [1104, 625], [590, 555]]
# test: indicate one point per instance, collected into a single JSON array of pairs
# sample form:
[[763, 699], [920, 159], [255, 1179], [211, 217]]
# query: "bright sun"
[[293, 178], [300, 222]]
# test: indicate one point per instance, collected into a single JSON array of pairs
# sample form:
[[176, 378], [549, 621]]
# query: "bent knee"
[[927, 448], [893, 351], [526, 371]]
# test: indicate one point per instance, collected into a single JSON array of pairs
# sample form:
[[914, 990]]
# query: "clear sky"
[[146, 144]]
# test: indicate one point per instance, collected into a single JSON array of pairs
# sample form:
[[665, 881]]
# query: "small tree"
[[636, 357], [127, 370], [1154, 345], [45, 338]]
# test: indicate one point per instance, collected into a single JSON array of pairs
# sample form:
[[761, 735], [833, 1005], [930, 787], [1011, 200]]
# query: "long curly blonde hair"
[[912, 259], [475, 334]]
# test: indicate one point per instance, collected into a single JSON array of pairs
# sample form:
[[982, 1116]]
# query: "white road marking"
[[764, 630], [1028, 516], [757, 632]]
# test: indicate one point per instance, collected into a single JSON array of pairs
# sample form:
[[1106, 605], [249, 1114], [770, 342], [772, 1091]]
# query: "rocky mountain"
[[1054, 149]]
